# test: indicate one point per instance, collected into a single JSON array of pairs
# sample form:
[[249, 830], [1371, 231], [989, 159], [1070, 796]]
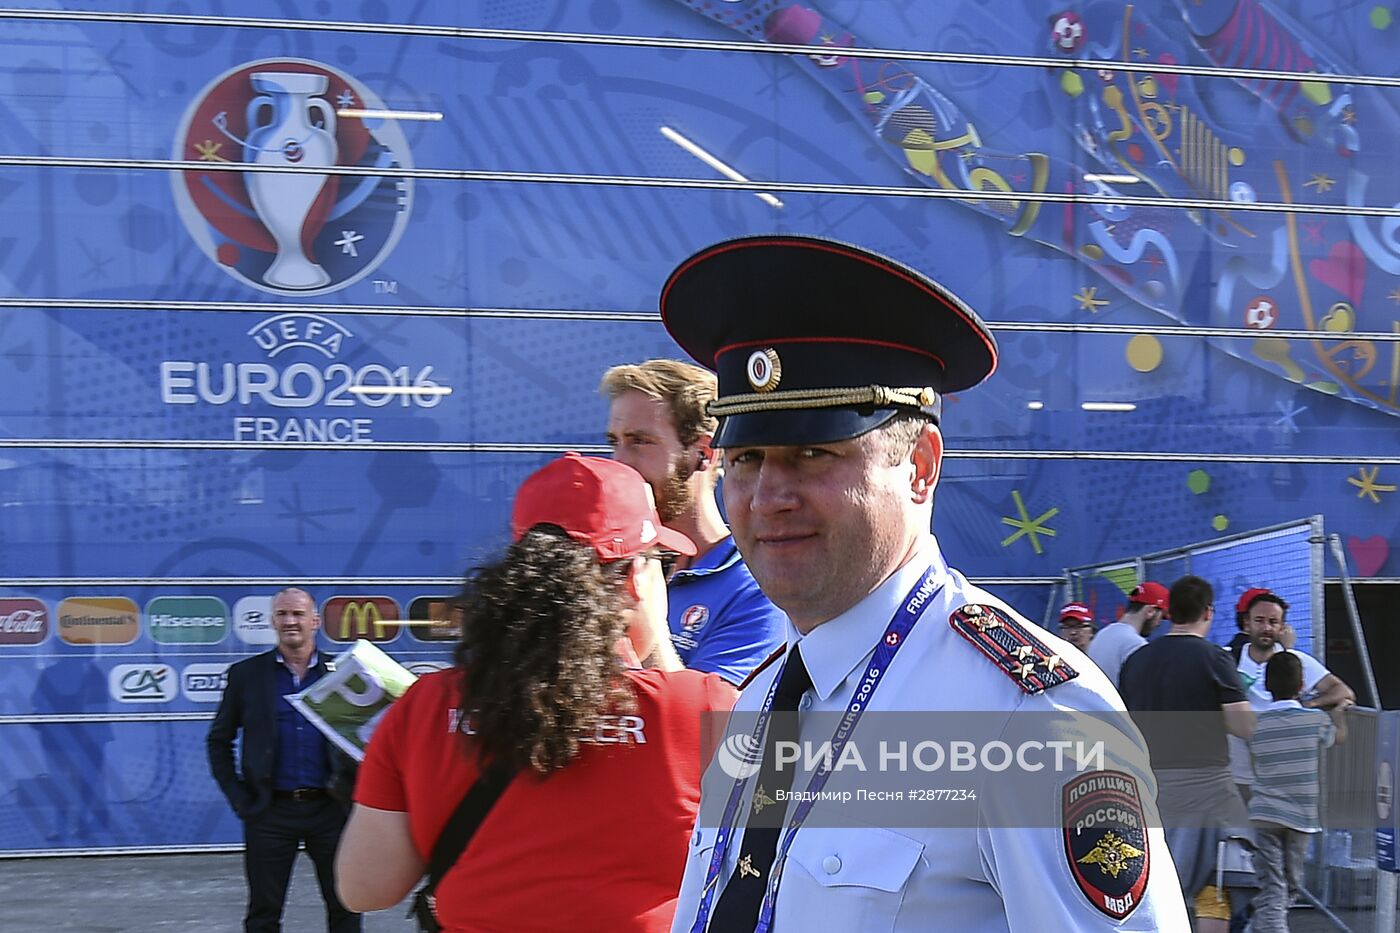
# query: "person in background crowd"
[[291, 785], [1185, 695], [599, 760], [1147, 606], [657, 424], [1286, 748], [1265, 620], [1241, 637], [832, 361], [1077, 625]]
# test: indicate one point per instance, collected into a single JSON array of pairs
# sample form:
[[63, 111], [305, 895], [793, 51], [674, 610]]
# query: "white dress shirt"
[[974, 877]]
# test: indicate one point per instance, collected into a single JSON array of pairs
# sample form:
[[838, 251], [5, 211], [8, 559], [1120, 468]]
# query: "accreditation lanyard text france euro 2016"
[[908, 613]]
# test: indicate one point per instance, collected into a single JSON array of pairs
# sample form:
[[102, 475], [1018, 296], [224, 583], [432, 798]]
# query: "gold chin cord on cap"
[[791, 399]]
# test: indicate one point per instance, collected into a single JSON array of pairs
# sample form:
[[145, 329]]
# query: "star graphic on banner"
[[1026, 526], [347, 241], [1289, 413], [1366, 482], [1395, 295], [1089, 300], [1348, 114], [345, 99], [1140, 52], [1312, 229], [304, 517], [1321, 182], [97, 262], [209, 151]]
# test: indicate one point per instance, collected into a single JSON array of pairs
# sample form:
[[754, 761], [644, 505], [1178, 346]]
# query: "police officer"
[[832, 362]]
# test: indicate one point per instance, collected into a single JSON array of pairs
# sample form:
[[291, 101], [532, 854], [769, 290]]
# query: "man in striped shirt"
[[1286, 749]]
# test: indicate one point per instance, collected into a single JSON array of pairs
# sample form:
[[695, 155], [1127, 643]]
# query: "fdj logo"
[[347, 618], [304, 231], [204, 683], [142, 683]]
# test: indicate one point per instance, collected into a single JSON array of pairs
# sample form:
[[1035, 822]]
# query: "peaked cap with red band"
[[817, 341]]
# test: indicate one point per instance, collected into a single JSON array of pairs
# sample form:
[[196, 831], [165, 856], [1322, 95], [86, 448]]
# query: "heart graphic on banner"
[[1368, 554], [1344, 269]]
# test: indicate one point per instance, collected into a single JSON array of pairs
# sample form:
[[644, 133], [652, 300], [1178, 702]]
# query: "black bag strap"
[[464, 822]]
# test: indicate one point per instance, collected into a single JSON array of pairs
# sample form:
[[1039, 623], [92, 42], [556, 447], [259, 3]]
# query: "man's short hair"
[[684, 388], [1189, 599], [900, 434], [1283, 676], [1267, 598]]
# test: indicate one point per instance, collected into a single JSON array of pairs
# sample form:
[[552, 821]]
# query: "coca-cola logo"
[[23, 622]]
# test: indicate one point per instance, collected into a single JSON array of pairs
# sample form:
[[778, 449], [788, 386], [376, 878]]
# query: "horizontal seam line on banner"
[[437, 31], [638, 181], [210, 849], [231, 581], [456, 581], [78, 718], [423, 447], [646, 317]]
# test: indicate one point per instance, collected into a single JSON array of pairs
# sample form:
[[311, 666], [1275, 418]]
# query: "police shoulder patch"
[[1024, 658], [1106, 840]]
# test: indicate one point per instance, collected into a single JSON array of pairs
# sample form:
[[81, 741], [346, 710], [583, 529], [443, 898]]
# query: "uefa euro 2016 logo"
[[304, 232]]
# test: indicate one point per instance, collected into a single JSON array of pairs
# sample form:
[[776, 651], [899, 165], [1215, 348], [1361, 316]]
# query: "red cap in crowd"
[[1150, 593], [602, 503], [1076, 612], [1249, 596]]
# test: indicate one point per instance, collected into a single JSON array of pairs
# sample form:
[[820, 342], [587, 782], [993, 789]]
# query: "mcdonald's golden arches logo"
[[347, 618]]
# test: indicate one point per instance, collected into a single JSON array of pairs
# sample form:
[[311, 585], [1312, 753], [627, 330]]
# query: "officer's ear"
[[927, 458]]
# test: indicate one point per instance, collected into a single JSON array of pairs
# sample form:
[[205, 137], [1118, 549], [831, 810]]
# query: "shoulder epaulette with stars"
[[782, 650], [1024, 658]]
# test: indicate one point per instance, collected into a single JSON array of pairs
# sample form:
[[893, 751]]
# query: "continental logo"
[[435, 619], [347, 618], [187, 620], [98, 620], [23, 622]]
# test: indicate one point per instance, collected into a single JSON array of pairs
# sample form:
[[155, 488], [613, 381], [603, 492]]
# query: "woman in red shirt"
[[591, 832]]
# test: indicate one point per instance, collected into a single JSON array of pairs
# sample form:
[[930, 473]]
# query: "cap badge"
[[765, 370]]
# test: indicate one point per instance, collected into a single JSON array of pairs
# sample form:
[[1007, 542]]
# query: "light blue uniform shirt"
[[721, 622], [967, 879]]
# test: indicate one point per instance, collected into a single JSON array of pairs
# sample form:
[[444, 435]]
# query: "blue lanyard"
[[896, 633]]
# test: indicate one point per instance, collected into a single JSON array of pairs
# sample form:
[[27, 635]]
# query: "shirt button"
[[805, 704], [831, 864]]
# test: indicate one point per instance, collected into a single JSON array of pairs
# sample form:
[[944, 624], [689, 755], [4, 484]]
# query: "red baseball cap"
[[1248, 596], [601, 503], [1077, 611], [1150, 593]]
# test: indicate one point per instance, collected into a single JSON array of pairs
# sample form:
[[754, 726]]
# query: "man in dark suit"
[[286, 789]]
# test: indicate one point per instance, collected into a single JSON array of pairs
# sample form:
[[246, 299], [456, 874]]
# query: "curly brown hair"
[[538, 647]]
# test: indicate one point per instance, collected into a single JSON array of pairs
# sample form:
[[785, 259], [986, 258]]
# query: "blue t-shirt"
[[721, 622]]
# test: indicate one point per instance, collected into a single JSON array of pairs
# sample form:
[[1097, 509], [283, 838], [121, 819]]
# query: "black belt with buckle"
[[300, 794]]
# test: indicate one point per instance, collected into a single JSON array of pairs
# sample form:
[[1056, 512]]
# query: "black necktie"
[[737, 910]]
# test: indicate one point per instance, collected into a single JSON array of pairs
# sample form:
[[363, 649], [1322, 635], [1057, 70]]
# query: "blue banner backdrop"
[[189, 358]]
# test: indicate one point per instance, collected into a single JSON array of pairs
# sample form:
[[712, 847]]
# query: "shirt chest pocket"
[[846, 879]]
